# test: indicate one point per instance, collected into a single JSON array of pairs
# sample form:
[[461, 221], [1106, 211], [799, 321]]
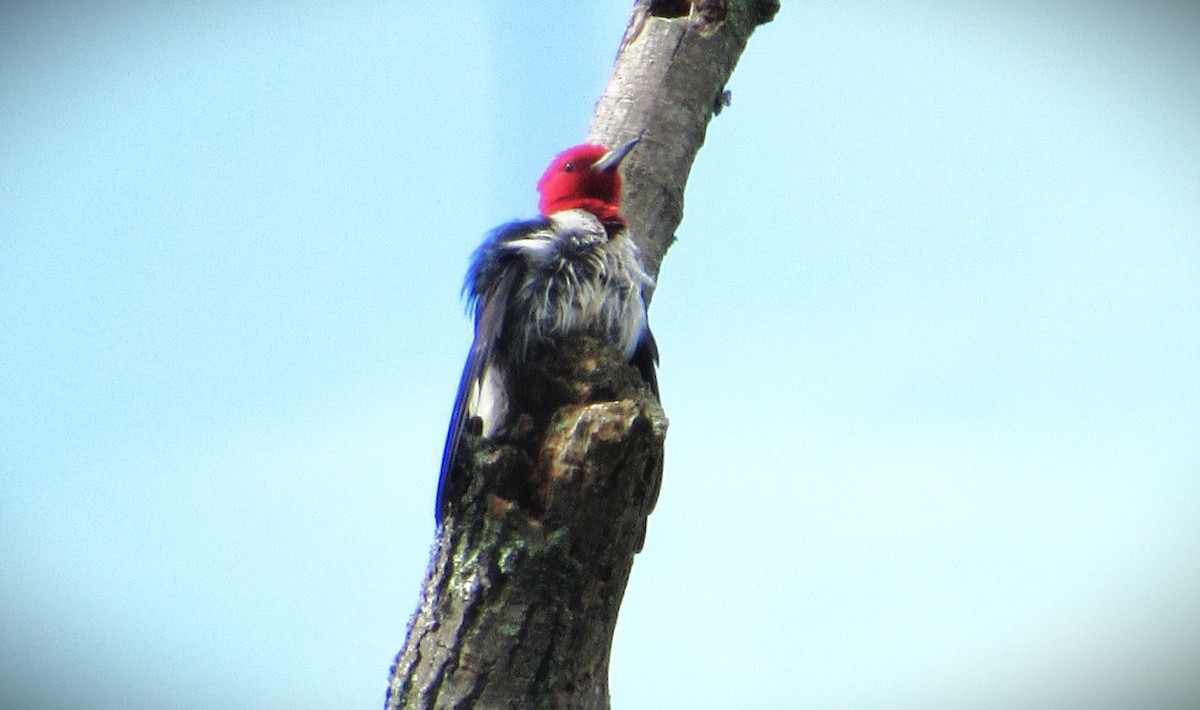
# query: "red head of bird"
[[584, 177]]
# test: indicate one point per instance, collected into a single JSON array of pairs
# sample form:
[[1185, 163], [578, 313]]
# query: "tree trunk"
[[528, 570]]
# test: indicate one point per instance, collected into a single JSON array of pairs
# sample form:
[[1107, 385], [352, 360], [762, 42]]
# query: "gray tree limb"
[[528, 571]]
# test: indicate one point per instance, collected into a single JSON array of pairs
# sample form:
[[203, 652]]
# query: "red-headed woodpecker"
[[573, 272]]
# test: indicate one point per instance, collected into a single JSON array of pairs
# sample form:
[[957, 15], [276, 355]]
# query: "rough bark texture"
[[528, 571], [520, 604]]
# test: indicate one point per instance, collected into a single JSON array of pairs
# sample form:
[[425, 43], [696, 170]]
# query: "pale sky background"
[[930, 349]]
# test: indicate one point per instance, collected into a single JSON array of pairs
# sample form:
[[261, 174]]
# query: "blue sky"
[[930, 348]]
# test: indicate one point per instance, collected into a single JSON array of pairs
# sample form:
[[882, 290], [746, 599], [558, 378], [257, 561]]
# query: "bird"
[[574, 271]]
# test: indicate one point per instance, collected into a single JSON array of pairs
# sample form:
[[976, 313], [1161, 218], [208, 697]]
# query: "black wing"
[[489, 319], [491, 281], [645, 359]]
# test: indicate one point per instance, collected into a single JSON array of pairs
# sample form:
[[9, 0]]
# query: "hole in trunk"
[[670, 8]]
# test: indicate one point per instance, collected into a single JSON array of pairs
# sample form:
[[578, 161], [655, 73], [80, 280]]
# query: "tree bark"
[[667, 83], [529, 568]]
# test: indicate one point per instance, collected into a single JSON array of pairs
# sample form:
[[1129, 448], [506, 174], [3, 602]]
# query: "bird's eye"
[[568, 167]]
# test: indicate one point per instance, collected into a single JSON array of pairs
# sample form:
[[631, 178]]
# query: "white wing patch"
[[487, 400]]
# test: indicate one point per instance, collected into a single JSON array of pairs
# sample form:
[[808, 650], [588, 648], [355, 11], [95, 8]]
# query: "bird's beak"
[[613, 158]]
